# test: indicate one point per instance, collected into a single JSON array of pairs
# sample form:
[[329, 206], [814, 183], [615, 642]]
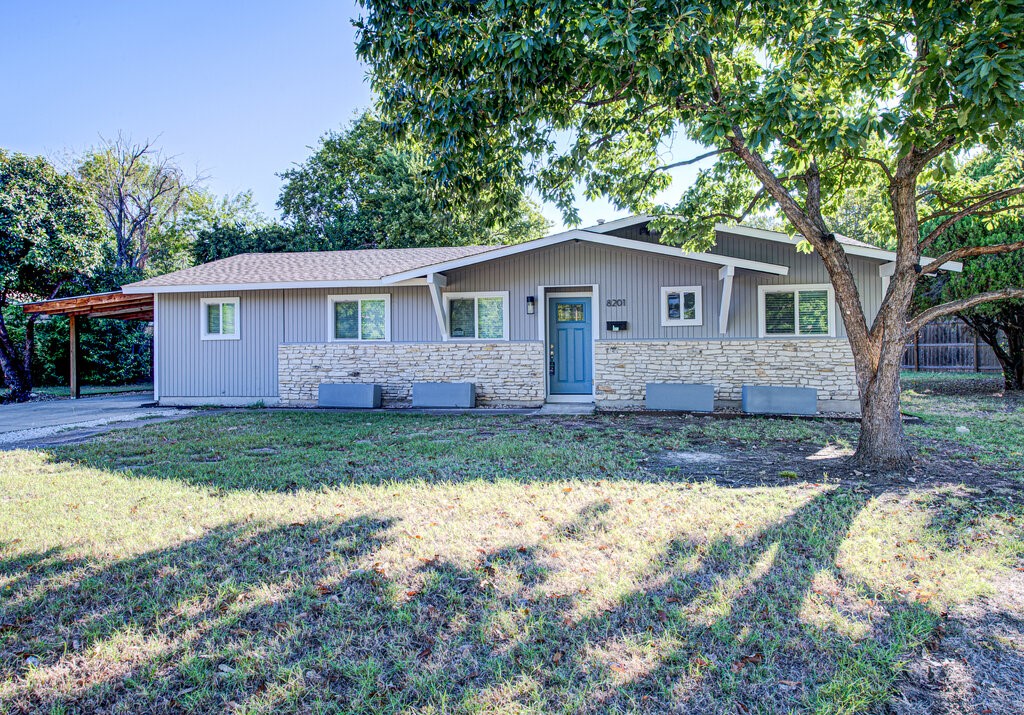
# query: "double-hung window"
[[478, 316], [219, 318], [796, 310], [360, 317], [681, 305]]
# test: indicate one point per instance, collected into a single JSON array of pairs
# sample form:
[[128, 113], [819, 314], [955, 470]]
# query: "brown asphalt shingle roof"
[[316, 266]]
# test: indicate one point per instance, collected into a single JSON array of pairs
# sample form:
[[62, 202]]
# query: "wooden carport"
[[115, 305]]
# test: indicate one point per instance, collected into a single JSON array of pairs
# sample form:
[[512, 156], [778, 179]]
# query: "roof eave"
[[277, 285], [878, 254]]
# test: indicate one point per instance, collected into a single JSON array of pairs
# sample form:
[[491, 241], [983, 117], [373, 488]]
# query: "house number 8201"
[[615, 303]]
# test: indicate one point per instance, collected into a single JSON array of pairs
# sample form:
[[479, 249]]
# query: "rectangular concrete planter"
[[761, 400], [680, 397], [443, 394], [349, 395]]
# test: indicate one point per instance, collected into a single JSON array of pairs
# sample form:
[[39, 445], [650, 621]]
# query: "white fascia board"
[[221, 287], [618, 223], [486, 256], [702, 257], [879, 254], [590, 237]]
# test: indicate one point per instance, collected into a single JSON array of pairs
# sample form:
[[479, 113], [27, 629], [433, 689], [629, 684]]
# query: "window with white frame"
[[800, 310], [360, 317], [478, 316], [219, 318], [681, 305]]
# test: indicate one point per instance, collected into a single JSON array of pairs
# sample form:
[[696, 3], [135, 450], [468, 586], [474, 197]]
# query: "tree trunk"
[[1010, 355], [1013, 364], [15, 363], [883, 444]]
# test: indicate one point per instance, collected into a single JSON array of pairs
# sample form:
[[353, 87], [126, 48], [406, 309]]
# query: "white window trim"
[[763, 290], [503, 294], [333, 299], [667, 322], [203, 302]]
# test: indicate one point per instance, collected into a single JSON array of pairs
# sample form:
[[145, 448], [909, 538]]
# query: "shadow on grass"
[[303, 618]]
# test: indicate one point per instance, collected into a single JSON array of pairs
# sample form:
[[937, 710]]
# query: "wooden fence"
[[949, 345]]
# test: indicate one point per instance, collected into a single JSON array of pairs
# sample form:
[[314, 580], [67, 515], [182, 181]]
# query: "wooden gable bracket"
[[435, 282], [726, 275]]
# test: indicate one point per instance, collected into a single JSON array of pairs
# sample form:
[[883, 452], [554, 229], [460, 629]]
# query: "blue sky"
[[236, 90]]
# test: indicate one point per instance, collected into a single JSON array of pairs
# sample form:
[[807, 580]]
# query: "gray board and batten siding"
[[244, 371]]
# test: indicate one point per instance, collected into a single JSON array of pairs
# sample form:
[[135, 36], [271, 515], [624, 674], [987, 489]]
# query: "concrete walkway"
[[50, 422]]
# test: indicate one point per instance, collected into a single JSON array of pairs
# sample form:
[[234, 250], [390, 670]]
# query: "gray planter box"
[[760, 400], [680, 397], [349, 395], [443, 394]]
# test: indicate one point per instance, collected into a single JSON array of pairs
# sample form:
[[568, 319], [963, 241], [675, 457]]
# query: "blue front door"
[[570, 349]]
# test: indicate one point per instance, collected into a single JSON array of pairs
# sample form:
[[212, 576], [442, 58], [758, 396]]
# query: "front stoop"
[[566, 408]]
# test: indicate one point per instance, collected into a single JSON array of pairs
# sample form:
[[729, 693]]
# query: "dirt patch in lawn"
[[976, 664], [788, 463]]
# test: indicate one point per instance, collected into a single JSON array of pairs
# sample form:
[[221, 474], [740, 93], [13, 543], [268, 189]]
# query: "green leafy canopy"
[[363, 189], [553, 91], [49, 229]]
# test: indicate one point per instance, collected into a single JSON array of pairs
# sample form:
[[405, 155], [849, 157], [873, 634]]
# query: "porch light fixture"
[[531, 305]]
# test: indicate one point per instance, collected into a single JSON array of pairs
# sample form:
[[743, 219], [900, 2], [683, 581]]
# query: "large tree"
[[796, 102], [141, 193], [49, 234], [362, 189]]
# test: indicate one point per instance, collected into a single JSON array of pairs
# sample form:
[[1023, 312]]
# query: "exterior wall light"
[[531, 305]]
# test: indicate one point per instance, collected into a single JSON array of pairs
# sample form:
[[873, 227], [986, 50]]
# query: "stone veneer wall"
[[622, 368], [505, 373]]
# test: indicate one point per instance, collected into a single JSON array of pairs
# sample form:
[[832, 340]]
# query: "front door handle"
[[551, 366]]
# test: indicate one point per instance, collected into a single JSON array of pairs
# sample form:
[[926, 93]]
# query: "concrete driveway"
[[50, 422]]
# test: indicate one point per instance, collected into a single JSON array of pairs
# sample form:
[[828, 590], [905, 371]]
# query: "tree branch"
[[971, 252], [956, 306], [694, 160], [967, 211]]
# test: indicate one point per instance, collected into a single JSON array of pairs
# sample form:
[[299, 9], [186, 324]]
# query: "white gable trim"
[[590, 237], [864, 251], [615, 225]]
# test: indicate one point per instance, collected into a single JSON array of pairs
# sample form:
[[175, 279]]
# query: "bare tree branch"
[[963, 213], [956, 306], [970, 252], [694, 160]]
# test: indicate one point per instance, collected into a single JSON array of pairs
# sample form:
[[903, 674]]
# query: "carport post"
[[76, 390]]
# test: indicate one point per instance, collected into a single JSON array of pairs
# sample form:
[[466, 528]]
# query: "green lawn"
[[271, 561]]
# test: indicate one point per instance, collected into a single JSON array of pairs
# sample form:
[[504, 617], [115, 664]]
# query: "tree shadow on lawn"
[[307, 618]]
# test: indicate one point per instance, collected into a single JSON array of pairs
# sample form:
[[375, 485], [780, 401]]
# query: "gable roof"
[[393, 266], [326, 269], [591, 237], [851, 245]]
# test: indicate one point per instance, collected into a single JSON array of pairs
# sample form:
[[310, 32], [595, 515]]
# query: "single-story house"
[[589, 315]]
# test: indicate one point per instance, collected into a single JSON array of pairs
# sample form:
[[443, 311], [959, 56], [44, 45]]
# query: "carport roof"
[[115, 304]]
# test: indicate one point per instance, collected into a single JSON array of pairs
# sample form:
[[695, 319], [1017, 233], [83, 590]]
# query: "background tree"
[[49, 234], [141, 194], [222, 240], [797, 102], [1000, 324], [361, 189]]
